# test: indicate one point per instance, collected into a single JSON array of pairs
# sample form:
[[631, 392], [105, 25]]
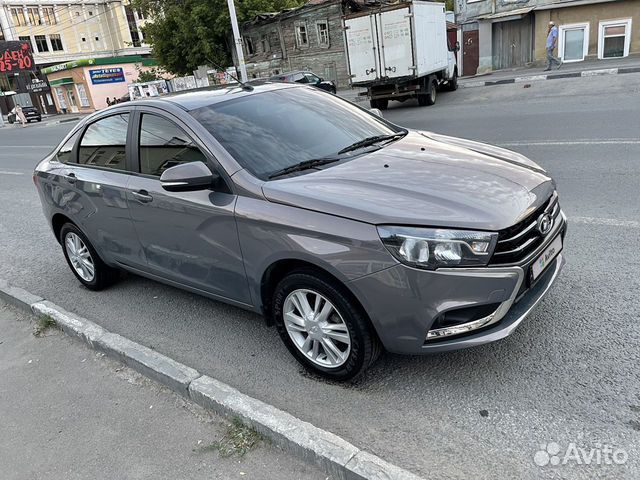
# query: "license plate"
[[547, 257]]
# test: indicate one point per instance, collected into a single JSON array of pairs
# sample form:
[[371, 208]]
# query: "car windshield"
[[270, 131]]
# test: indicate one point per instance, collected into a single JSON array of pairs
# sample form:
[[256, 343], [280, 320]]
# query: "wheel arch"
[[57, 222], [279, 269]]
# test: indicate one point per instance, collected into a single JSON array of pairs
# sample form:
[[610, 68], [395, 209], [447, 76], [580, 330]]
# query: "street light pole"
[[237, 40]]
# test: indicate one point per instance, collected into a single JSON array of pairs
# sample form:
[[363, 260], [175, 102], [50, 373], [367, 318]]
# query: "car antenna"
[[245, 86]]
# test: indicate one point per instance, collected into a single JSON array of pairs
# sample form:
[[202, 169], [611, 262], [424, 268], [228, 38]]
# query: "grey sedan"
[[348, 233]]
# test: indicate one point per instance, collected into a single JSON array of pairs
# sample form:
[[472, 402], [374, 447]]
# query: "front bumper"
[[404, 303]]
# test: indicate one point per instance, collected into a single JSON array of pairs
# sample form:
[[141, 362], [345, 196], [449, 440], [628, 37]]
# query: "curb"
[[334, 455], [552, 76], [64, 120]]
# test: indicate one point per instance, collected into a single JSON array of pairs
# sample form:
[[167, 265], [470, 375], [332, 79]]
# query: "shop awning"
[[61, 81]]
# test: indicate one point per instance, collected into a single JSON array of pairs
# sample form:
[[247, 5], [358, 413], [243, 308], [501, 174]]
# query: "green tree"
[[187, 33]]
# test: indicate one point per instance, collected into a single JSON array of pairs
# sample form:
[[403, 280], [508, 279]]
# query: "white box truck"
[[400, 51]]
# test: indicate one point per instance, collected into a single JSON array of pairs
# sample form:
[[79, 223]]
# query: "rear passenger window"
[[104, 141], [164, 145], [64, 154]]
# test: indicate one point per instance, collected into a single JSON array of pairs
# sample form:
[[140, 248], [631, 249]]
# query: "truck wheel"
[[374, 103], [383, 103], [452, 85], [430, 97]]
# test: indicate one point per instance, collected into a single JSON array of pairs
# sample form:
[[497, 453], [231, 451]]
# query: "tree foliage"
[[187, 33]]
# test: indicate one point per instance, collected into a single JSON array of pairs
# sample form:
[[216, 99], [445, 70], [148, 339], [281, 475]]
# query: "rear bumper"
[[404, 303]]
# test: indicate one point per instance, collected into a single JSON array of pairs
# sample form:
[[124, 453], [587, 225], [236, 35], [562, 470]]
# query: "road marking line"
[[2, 172], [621, 141], [611, 222]]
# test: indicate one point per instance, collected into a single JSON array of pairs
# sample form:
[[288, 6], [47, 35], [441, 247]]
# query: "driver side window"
[[163, 145]]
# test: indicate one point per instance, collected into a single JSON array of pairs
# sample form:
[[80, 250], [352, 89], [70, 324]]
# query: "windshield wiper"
[[371, 141], [305, 165]]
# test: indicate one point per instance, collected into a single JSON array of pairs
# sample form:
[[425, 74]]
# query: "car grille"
[[516, 243]]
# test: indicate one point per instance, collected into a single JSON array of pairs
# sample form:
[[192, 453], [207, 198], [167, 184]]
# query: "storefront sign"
[[15, 57], [85, 62], [37, 86], [106, 75]]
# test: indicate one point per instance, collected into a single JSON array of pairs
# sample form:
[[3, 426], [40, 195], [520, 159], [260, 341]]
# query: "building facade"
[[65, 31], [310, 37], [498, 34]]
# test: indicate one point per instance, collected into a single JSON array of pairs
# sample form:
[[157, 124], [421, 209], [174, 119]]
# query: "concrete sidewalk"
[[71, 413], [630, 64]]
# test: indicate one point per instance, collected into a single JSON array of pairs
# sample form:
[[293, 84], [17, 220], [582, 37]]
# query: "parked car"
[[349, 233], [304, 77], [30, 113]]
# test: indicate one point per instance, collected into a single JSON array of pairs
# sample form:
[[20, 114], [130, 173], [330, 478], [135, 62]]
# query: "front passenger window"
[[104, 143], [163, 145]]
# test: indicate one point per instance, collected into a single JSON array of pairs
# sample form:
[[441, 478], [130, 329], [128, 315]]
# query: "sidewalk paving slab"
[[72, 413]]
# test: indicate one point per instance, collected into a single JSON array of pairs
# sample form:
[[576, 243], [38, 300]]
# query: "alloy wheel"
[[317, 328], [80, 257]]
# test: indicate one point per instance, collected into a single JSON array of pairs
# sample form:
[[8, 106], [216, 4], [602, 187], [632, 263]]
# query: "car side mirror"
[[376, 111], [320, 80], [187, 177]]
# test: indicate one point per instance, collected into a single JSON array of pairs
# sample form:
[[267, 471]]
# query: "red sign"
[[15, 57]]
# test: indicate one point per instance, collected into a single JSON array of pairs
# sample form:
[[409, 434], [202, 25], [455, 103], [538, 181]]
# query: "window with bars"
[[56, 42], [41, 43]]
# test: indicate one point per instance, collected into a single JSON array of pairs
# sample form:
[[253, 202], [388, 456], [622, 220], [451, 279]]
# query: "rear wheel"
[[83, 260], [432, 93], [324, 329]]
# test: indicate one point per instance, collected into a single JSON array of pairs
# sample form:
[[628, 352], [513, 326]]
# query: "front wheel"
[[323, 328], [452, 84], [83, 260]]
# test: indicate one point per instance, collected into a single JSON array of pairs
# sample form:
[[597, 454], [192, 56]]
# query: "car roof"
[[211, 95]]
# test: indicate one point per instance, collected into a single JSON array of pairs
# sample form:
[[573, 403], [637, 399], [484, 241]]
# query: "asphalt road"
[[569, 374]]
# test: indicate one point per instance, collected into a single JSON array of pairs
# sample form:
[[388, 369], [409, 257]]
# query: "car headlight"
[[432, 248]]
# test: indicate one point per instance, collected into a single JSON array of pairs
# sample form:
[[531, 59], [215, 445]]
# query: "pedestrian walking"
[[108, 102], [552, 41], [114, 101], [20, 115]]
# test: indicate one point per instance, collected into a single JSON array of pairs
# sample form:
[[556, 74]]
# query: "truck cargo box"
[[408, 39]]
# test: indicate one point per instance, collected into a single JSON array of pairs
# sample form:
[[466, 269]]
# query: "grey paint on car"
[[226, 241]]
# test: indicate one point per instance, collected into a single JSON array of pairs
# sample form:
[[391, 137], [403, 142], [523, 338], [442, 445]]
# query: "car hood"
[[423, 179]]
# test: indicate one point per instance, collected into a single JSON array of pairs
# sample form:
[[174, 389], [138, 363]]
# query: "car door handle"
[[142, 196], [71, 178]]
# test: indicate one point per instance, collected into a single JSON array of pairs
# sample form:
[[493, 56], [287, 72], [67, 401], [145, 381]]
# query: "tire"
[[103, 275], [383, 103], [432, 93], [452, 85], [347, 316], [373, 103]]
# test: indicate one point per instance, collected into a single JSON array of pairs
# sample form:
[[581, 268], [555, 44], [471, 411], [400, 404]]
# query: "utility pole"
[[238, 41]]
